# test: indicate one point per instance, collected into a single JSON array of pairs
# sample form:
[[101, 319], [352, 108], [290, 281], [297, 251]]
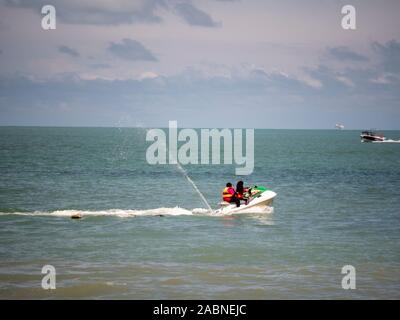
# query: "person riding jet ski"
[[229, 195], [242, 192]]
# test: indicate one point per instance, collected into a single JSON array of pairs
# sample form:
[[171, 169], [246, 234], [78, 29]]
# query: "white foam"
[[254, 210], [177, 211], [124, 213], [201, 210], [387, 141]]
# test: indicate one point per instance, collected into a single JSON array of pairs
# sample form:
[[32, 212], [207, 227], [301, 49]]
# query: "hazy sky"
[[204, 63]]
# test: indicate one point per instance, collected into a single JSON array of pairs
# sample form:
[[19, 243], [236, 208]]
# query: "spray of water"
[[194, 186]]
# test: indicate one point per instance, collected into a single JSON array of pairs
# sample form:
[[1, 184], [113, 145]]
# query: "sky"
[[205, 63]]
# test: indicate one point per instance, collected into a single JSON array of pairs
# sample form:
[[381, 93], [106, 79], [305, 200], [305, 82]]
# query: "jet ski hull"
[[257, 205]]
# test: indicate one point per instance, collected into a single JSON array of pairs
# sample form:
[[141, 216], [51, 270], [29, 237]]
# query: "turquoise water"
[[142, 235]]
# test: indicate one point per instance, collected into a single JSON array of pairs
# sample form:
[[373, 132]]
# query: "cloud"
[[148, 75], [118, 11], [68, 51], [195, 16], [200, 100], [100, 66], [343, 53], [390, 55], [131, 50], [98, 12]]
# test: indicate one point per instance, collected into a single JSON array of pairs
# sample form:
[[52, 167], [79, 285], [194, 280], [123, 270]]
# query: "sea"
[[146, 233]]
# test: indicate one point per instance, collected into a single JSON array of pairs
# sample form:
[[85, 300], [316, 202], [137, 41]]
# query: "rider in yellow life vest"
[[229, 194]]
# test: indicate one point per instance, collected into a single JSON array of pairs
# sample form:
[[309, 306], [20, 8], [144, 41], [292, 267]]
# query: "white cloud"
[[345, 80], [148, 75]]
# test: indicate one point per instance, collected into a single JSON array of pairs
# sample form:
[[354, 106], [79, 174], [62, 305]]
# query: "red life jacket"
[[240, 195]]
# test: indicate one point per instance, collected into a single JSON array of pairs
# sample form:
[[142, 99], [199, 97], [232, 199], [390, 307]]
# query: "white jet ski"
[[259, 201]]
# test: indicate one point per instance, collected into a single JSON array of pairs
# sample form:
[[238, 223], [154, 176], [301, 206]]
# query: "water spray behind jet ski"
[[194, 186]]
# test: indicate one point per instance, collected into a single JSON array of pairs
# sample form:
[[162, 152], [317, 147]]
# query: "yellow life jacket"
[[226, 193]]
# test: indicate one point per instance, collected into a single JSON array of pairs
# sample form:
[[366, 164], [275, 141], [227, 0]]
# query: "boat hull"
[[371, 137]]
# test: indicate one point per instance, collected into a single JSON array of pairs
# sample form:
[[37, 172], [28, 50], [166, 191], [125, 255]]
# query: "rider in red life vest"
[[240, 191], [229, 194]]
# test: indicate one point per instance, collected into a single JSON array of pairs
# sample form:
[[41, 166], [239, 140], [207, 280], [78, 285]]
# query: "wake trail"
[[177, 211], [387, 141], [130, 213]]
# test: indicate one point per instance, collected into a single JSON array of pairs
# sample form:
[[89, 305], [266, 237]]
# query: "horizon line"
[[154, 127]]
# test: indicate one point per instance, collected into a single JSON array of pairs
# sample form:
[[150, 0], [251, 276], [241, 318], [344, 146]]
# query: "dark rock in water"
[[76, 216], [160, 215]]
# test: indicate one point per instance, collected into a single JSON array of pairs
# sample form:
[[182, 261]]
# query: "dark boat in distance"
[[370, 136]]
